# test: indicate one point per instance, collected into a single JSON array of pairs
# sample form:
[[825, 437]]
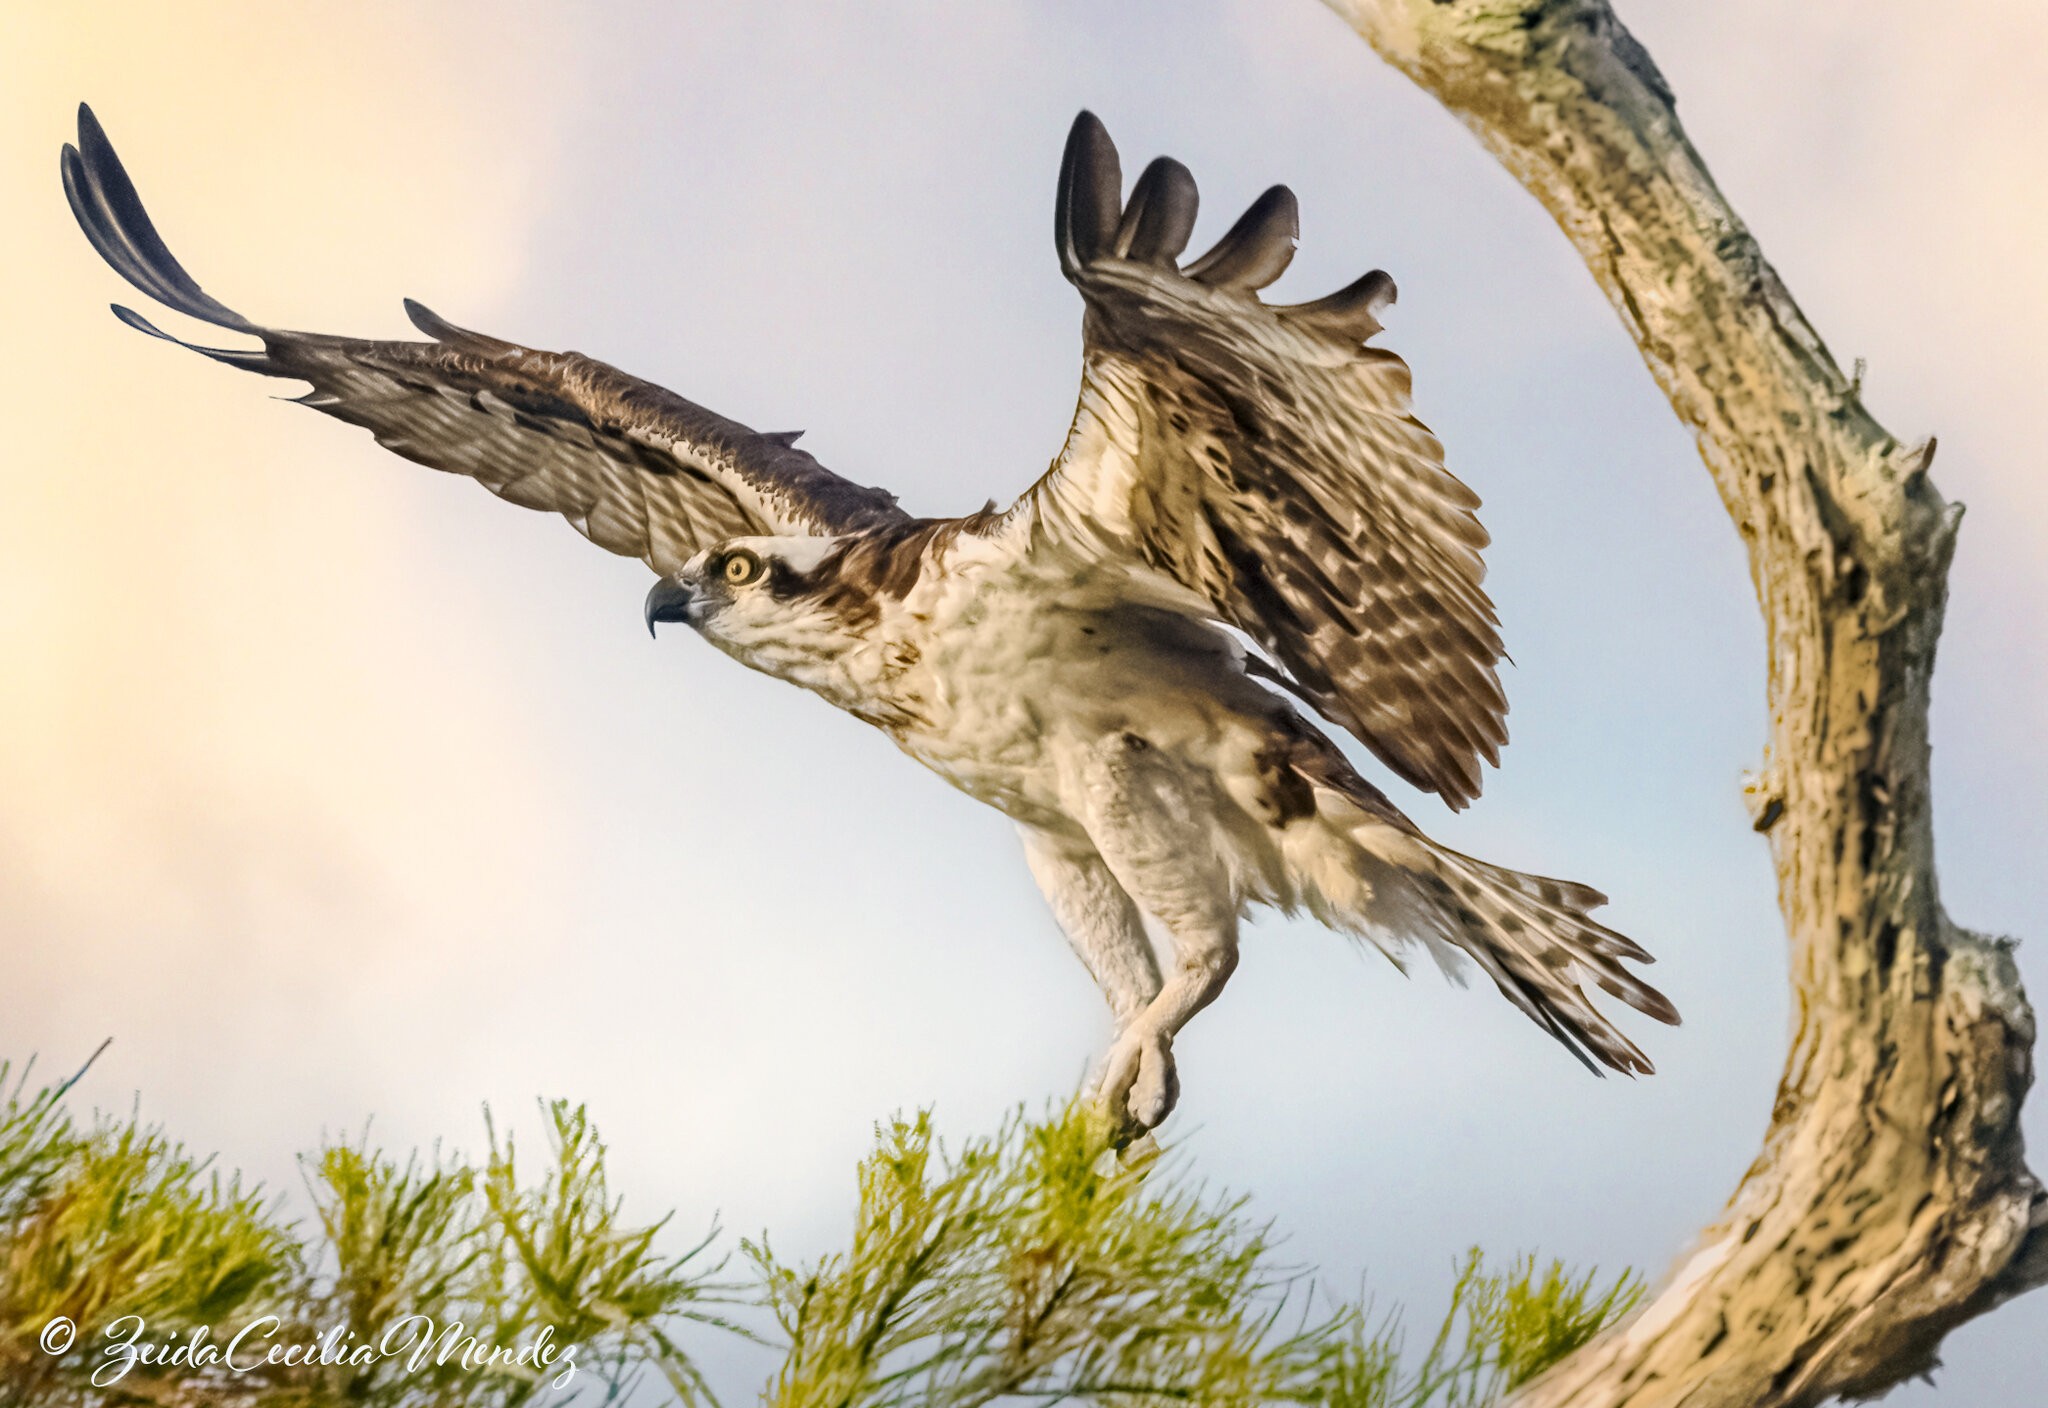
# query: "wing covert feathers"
[[1266, 461], [637, 469]]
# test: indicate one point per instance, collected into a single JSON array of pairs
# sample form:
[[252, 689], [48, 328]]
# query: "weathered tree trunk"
[[1891, 1200]]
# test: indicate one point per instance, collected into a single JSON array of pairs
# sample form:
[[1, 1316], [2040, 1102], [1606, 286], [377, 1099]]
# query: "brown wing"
[[637, 469], [1265, 460]]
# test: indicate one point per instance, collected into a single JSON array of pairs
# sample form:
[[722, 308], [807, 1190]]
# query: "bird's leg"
[[1098, 918], [1142, 820]]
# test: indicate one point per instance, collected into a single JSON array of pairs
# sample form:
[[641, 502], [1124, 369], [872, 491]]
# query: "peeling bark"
[[1891, 1200]]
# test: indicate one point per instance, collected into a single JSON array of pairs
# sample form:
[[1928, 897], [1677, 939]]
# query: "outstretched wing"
[[637, 469], [1265, 460]]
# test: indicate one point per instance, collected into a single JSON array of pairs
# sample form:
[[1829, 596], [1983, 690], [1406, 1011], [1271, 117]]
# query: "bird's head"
[[769, 603]]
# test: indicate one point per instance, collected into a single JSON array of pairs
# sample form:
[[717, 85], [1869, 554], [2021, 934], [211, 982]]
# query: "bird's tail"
[[1535, 938], [1384, 881]]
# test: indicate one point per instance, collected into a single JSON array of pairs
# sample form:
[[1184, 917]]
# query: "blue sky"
[[335, 789]]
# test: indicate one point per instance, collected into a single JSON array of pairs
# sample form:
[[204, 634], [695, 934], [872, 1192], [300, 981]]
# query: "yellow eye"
[[741, 568]]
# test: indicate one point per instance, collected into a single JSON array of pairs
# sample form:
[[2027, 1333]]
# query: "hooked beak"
[[669, 600]]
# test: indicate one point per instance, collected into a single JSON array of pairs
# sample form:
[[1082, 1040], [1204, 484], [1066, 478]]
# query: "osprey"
[[1245, 519]]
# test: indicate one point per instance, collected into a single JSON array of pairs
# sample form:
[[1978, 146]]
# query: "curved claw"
[[1138, 1086]]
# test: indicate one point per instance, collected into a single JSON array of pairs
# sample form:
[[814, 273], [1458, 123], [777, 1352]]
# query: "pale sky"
[[335, 789]]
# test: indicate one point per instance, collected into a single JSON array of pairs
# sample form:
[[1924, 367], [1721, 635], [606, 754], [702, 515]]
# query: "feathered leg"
[[1098, 918], [1143, 822]]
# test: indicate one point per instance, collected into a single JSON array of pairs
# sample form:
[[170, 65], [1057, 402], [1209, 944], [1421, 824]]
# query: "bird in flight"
[[1246, 530]]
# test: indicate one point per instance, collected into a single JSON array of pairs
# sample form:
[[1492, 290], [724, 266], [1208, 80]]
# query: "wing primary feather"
[[1352, 310], [111, 213], [97, 221], [250, 360], [101, 226], [1161, 214], [1086, 211], [1257, 249]]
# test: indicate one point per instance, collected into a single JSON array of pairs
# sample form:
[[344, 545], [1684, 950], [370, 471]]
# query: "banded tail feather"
[[1534, 937]]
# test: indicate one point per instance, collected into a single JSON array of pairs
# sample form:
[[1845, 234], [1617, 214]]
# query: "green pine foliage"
[[112, 1221], [117, 1221], [1033, 1266], [1030, 1265]]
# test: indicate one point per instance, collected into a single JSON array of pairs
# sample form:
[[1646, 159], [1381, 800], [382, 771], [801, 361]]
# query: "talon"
[[1157, 1086], [1139, 1086]]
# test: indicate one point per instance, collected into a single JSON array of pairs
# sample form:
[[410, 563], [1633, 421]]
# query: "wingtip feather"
[[110, 212], [1160, 216], [255, 360], [1352, 310], [1090, 201], [1257, 249], [135, 320]]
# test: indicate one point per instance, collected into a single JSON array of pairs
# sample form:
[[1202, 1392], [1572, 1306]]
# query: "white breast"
[[1014, 677]]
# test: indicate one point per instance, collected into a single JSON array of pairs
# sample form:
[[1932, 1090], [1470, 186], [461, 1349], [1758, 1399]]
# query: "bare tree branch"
[[1891, 1200]]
